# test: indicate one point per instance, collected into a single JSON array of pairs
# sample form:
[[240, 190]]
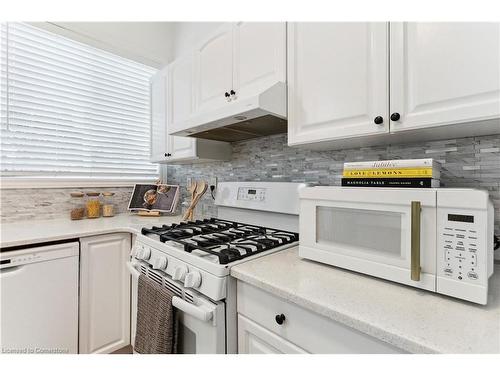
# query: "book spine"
[[406, 163], [390, 173], [391, 182]]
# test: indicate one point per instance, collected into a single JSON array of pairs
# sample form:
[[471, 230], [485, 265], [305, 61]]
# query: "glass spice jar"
[[93, 205], [108, 207], [77, 211]]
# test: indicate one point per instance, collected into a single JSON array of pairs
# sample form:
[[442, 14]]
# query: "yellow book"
[[388, 173]]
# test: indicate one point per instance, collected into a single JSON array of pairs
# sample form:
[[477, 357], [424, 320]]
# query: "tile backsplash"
[[40, 204], [466, 162]]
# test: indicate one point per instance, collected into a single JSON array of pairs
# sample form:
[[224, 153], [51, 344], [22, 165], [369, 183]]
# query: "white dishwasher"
[[39, 299]]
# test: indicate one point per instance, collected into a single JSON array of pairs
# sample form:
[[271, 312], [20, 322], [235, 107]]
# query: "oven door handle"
[[193, 310], [133, 271]]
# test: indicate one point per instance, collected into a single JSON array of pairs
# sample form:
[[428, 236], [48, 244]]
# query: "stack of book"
[[412, 173]]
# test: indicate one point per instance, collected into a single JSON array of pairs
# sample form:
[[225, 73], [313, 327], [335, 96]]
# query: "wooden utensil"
[[201, 188]]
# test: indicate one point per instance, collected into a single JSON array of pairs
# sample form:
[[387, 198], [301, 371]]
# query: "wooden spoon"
[[201, 188], [192, 190]]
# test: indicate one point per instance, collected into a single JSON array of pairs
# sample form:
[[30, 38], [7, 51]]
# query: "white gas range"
[[193, 259]]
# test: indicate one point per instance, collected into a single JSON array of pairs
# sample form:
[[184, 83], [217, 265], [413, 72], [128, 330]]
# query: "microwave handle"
[[416, 208]]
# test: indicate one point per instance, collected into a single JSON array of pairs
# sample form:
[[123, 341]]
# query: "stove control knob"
[[144, 253], [192, 280], [179, 272], [160, 263]]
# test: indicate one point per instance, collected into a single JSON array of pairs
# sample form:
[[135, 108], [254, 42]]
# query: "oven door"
[[201, 322], [388, 233]]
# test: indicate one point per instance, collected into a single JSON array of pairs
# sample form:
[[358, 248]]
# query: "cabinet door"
[[444, 73], [182, 148], [181, 106], [180, 92], [104, 293], [259, 56], [255, 339], [337, 80], [214, 67], [159, 137]]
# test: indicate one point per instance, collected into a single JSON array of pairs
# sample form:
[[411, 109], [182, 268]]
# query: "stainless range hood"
[[243, 118]]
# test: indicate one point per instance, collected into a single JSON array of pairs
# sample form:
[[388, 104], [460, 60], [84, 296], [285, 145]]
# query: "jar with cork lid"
[[93, 205], [77, 210], [108, 207]]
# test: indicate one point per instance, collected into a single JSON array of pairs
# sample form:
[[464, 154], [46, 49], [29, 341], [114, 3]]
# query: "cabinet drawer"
[[312, 332], [255, 339]]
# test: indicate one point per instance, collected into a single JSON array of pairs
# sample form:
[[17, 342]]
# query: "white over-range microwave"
[[439, 240]]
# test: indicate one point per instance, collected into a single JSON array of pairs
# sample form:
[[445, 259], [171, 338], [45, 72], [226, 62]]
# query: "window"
[[71, 111]]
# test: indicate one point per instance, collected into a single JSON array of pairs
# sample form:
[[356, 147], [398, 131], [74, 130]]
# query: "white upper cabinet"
[[159, 138], [442, 80], [259, 56], [444, 73], [214, 68], [337, 81], [172, 101], [180, 90], [181, 105]]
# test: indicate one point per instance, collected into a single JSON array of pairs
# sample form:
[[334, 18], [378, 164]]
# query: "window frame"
[[31, 181]]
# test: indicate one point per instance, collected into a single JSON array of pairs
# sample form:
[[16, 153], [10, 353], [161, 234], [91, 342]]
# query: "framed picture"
[[152, 197]]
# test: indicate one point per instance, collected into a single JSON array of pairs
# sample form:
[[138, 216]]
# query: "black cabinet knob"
[[232, 92], [395, 116], [168, 154], [226, 94], [280, 318], [378, 120]]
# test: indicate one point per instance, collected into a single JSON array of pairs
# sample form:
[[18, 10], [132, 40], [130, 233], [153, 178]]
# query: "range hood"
[[244, 118]]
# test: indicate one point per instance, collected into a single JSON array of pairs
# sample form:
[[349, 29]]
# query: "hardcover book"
[[391, 182], [391, 173], [394, 164]]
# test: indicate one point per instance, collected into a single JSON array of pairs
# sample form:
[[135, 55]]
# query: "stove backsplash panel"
[[466, 162]]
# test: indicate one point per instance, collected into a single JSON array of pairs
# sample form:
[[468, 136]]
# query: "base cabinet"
[[104, 293], [297, 330], [255, 339]]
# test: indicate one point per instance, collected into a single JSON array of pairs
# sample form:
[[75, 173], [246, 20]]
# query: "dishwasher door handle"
[[10, 271]]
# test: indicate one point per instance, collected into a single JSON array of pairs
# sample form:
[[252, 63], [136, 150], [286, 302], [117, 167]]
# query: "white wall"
[[187, 34], [147, 42]]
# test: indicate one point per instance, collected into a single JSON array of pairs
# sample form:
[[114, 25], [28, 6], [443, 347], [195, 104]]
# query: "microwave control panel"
[[251, 194], [459, 246]]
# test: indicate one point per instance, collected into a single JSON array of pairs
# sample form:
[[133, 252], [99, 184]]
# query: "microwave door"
[[388, 233]]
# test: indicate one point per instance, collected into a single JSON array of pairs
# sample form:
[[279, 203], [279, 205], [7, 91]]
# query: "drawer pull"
[[280, 318]]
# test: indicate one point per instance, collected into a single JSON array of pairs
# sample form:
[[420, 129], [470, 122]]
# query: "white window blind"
[[70, 110]]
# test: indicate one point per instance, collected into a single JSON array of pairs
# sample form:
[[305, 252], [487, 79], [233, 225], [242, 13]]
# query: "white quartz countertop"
[[36, 231], [411, 319]]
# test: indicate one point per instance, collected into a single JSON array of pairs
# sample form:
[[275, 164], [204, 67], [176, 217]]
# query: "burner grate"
[[227, 240]]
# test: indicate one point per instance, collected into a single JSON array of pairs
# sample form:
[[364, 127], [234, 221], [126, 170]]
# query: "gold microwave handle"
[[415, 240]]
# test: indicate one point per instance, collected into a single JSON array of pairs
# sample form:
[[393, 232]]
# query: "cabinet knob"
[[167, 154], [280, 318], [395, 116], [226, 94], [378, 120], [232, 92]]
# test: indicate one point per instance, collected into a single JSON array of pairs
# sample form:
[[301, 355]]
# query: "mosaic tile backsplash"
[[41, 204], [466, 162]]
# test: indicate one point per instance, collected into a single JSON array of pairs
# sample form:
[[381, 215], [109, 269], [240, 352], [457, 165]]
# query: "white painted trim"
[[55, 28], [64, 182]]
